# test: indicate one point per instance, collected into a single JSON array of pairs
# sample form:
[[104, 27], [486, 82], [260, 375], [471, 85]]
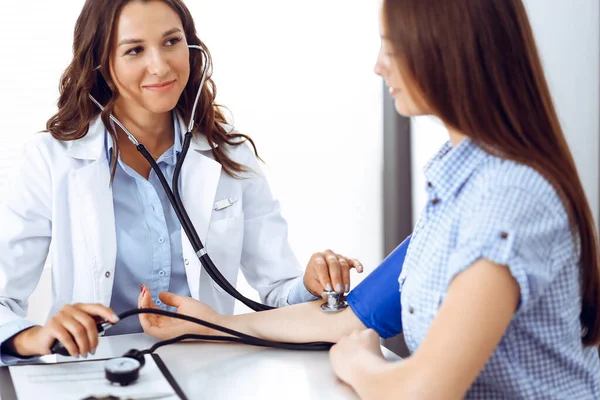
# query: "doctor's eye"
[[173, 41], [134, 51]]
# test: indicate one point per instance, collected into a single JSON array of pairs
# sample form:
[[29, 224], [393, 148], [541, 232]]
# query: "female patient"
[[499, 288]]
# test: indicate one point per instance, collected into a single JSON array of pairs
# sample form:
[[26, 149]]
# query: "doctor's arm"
[[26, 221], [267, 260], [469, 325], [25, 217]]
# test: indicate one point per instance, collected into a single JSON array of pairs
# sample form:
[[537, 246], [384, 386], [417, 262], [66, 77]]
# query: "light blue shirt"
[[481, 206], [148, 237]]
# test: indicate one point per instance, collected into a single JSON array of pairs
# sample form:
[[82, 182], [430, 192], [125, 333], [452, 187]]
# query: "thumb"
[[170, 299], [314, 286]]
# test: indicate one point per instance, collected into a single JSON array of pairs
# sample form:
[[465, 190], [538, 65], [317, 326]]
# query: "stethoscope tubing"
[[175, 198], [188, 227]]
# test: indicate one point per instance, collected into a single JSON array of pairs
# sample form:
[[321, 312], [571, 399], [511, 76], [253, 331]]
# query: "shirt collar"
[[169, 157], [452, 166]]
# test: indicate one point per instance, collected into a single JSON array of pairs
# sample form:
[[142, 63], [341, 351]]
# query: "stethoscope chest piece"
[[122, 371], [335, 303]]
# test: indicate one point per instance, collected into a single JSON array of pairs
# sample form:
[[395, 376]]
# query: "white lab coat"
[[62, 201]]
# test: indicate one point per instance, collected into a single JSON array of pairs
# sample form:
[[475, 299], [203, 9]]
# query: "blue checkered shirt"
[[481, 206]]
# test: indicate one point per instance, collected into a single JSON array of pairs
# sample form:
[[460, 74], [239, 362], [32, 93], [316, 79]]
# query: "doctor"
[[86, 196]]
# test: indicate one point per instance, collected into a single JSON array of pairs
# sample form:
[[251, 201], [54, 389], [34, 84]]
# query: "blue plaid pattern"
[[481, 206]]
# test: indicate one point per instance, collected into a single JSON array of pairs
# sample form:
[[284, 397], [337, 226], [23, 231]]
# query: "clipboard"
[[8, 391]]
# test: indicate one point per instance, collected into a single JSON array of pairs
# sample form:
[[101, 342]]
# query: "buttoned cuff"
[[299, 293]]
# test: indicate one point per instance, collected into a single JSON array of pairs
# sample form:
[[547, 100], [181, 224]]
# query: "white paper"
[[78, 380]]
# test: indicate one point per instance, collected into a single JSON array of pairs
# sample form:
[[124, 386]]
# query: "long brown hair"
[[91, 48], [476, 66]]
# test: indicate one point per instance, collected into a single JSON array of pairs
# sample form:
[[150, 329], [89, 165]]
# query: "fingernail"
[[360, 268], [115, 318], [141, 287], [93, 352], [347, 288], [328, 287], [76, 355], [84, 355], [338, 287]]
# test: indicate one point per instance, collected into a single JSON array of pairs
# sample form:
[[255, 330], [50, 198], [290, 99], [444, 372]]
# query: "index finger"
[[100, 311], [335, 271], [353, 263], [321, 271]]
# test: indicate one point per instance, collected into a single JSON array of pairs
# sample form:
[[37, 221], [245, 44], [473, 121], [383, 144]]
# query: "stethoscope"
[[125, 370]]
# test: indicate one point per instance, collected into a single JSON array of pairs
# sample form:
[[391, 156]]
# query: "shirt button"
[[107, 274], [504, 235], [435, 201], [161, 240], [186, 261], [429, 185], [158, 302], [162, 273], [411, 310]]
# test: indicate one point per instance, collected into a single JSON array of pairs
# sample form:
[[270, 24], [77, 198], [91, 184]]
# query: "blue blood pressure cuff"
[[376, 300]]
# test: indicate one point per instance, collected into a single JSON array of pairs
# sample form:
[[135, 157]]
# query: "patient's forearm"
[[298, 323]]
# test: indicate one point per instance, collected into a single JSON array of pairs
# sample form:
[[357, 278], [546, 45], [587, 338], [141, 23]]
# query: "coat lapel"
[[200, 176], [97, 218], [98, 224]]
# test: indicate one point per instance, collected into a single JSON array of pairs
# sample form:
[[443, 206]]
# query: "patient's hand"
[[163, 327]]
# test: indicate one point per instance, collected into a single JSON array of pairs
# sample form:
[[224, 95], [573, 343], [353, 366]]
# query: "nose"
[[379, 67], [158, 63]]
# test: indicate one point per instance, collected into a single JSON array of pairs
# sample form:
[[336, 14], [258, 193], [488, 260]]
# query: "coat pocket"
[[224, 244]]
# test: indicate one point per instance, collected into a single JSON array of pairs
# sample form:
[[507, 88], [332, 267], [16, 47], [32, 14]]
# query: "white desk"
[[232, 371]]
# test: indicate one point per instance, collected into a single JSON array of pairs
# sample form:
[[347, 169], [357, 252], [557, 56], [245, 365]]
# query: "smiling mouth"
[[160, 85]]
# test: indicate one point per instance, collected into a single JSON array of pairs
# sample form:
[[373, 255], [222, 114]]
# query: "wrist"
[[369, 377], [220, 320], [23, 344], [383, 380]]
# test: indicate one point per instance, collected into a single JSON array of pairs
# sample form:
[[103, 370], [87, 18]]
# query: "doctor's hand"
[[73, 325], [162, 327], [329, 271]]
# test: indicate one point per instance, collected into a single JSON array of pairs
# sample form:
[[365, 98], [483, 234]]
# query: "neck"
[[154, 130], [455, 136]]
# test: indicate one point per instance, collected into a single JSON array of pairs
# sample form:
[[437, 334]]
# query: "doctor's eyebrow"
[[136, 41]]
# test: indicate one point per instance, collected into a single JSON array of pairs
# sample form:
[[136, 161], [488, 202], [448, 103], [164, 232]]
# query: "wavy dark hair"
[[91, 47], [475, 64]]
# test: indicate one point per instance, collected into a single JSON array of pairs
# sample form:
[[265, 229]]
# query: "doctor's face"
[[149, 60]]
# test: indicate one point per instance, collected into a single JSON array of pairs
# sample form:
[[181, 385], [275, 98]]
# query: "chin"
[[161, 106], [402, 109], [407, 110]]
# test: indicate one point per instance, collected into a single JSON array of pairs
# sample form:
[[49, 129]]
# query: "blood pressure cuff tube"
[[376, 300]]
